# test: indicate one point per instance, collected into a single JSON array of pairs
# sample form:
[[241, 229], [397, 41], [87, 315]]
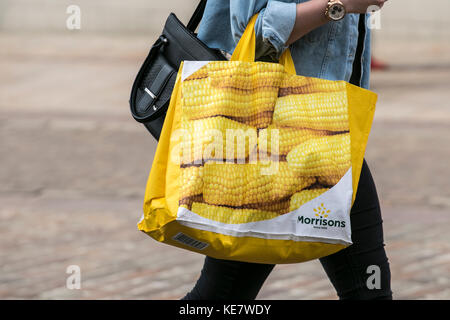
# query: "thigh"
[[348, 268], [226, 279]]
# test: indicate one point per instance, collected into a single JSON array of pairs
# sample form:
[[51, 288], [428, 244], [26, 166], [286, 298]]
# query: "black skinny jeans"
[[346, 269]]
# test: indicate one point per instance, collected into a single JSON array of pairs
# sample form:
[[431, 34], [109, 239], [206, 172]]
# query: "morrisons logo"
[[321, 221]]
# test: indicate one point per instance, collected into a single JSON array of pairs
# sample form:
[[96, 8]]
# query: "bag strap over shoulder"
[[245, 49], [197, 16]]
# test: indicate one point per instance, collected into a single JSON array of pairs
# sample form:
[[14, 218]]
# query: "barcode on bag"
[[184, 239]]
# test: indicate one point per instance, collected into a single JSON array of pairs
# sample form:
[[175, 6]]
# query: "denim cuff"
[[277, 23]]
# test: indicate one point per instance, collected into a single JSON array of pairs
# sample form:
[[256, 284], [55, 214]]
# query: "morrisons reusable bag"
[[256, 163]]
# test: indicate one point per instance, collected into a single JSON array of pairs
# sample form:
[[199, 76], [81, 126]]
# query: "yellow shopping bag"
[[256, 163]]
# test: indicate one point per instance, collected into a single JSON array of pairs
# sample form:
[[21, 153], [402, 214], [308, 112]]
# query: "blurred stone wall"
[[97, 16], [415, 20], [411, 20]]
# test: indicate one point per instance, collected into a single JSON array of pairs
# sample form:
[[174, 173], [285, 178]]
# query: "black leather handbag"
[[153, 86]]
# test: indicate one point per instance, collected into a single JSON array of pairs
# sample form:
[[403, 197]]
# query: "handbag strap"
[[197, 16], [355, 77]]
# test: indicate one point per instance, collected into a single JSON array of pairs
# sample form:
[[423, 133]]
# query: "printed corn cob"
[[245, 92], [241, 184], [236, 68], [191, 181], [320, 111], [323, 156], [218, 104], [238, 82], [293, 84], [300, 198], [210, 135], [231, 215], [288, 138], [203, 92]]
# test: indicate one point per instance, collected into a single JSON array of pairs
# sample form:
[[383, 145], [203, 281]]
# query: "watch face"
[[337, 11]]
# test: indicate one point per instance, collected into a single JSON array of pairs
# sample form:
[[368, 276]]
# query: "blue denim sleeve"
[[273, 27]]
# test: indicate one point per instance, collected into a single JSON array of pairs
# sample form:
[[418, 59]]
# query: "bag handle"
[[246, 47], [197, 16]]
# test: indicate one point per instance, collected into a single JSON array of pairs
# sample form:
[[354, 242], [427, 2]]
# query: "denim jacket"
[[327, 52]]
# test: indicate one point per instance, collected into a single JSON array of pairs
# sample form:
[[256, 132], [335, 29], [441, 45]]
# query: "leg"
[[347, 269], [226, 279]]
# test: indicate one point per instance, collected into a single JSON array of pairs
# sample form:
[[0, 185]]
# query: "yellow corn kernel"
[[191, 181], [259, 121], [288, 138], [329, 180], [207, 139], [241, 184], [319, 111], [231, 215], [300, 198], [323, 156]]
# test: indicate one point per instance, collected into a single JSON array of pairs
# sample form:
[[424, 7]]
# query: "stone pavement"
[[73, 168]]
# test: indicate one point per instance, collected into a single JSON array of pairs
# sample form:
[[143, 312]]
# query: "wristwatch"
[[335, 10]]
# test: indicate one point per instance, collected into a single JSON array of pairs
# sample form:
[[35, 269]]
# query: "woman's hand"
[[360, 6]]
